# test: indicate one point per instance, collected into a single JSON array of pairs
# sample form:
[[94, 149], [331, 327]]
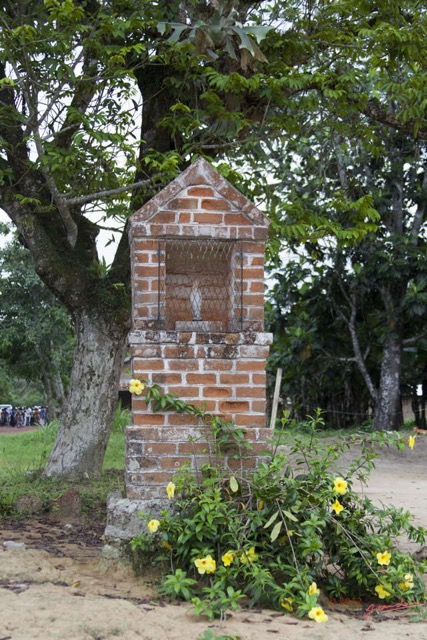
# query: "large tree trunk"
[[388, 414], [92, 398]]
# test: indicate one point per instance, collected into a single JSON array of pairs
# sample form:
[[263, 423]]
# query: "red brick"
[[178, 351], [140, 419], [215, 204], [185, 392], [143, 285], [208, 218], [183, 365], [167, 378], [234, 378], [153, 284], [258, 406], [216, 392], [173, 463], [235, 218], [142, 366], [251, 365], [256, 299], [257, 286], [259, 378], [145, 462], [164, 217], [176, 419], [233, 407], [149, 351], [144, 245], [191, 448], [160, 448], [260, 233], [202, 192], [249, 420], [254, 351], [250, 392], [146, 298], [183, 204], [254, 273], [206, 405], [201, 378], [255, 313], [147, 271], [159, 477], [184, 218], [217, 365]]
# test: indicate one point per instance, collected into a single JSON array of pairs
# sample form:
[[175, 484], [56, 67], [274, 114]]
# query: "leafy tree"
[[36, 336], [102, 103], [374, 290]]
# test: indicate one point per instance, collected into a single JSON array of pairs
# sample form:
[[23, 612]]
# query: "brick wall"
[[222, 369]]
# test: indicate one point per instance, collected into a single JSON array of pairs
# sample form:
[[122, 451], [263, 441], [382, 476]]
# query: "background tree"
[[354, 160], [36, 336], [102, 103]]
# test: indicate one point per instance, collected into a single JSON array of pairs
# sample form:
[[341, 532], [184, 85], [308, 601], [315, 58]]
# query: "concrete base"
[[128, 518]]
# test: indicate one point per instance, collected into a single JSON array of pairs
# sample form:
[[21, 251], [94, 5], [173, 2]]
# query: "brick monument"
[[197, 252]]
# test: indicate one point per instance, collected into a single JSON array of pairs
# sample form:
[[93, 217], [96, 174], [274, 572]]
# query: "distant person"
[[36, 416], [43, 416], [28, 414], [20, 417]]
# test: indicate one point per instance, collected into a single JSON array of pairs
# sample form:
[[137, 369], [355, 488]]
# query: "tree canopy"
[[102, 103]]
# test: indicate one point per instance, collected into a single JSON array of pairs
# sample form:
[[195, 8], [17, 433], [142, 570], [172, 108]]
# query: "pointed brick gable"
[[200, 203]]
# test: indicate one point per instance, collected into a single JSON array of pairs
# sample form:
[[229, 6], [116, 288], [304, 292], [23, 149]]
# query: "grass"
[[23, 456], [29, 451]]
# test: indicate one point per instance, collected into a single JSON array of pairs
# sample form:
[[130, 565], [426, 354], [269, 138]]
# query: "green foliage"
[[279, 535], [36, 335]]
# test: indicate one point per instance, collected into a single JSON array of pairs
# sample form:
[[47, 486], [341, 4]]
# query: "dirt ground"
[[60, 587]]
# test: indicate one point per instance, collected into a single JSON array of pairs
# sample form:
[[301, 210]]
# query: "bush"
[[279, 535]]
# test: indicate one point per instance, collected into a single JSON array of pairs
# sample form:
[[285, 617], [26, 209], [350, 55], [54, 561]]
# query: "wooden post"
[[276, 398]]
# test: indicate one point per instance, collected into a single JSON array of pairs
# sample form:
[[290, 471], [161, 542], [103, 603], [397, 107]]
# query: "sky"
[[106, 250]]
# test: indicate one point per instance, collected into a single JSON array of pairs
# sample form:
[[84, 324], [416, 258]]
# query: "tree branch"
[[107, 192]]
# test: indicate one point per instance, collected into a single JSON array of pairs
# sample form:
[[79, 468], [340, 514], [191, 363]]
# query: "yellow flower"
[[136, 387], [382, 592], [167, 546], [384, 558], [228, 558], [286, 603], [408, 584], [249, 556], [337, 507], [170, 490], [313, 590], [317, 614], [411, 442], [340, 486], [153, 525], [205, 565]]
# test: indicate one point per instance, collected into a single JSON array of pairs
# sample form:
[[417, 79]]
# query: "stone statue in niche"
[[196, 301]]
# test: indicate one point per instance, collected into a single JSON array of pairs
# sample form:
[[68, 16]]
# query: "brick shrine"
[[197, 255]]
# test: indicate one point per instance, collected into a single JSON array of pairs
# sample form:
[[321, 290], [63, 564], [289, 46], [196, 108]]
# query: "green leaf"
[[234, 485], [290, 516], [271, 520], [275, 531]]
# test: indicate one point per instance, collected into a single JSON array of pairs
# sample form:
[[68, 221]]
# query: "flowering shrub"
[[280, 535]]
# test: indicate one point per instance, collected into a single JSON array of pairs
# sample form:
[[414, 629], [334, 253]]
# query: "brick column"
[[224, 373]]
